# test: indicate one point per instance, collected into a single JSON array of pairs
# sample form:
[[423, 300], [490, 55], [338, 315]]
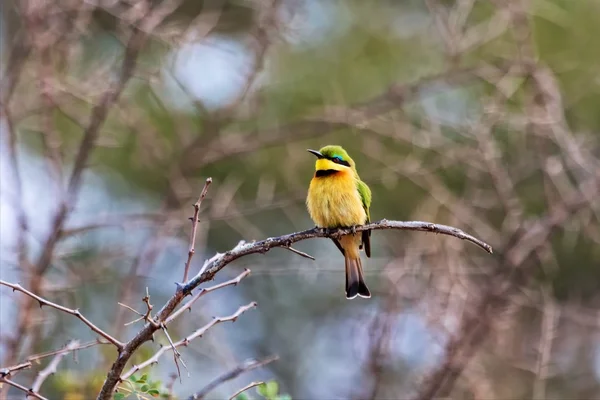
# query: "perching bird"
[[337, 198]]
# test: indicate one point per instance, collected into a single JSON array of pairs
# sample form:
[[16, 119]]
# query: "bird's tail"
[[355, 282]]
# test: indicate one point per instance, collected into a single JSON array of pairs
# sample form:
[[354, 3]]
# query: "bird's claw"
[[321, 230], [353, 229]]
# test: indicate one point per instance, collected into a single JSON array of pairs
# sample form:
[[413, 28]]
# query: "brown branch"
[[52, 365], [249, 365], [185, 341], [90, 135], [29, 362], [99, 114], [176, 353], [203, 291], [75, 312], [300, 253], [27, 391], [219, 261], [242, 390], [14, 368], [195, 221]]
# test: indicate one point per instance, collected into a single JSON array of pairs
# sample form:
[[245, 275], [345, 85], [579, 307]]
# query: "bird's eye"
[[337, 159]]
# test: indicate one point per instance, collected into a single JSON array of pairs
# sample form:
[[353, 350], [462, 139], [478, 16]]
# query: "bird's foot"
[[321, 230], [353, 229]]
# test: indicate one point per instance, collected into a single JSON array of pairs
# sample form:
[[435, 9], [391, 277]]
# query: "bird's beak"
[[316, 153]]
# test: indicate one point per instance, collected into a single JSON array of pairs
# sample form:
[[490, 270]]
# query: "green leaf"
[[242, 396], [262, 389], [143, 379], [284, 397], [272, 389], [119, 396], [153, 392], [132, 378], [145, 388]]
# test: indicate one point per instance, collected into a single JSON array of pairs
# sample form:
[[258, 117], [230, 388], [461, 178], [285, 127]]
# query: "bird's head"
[[333, 158]]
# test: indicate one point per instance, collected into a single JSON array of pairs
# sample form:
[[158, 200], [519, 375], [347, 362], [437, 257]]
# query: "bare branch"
[[29, 392], [185, 341], [551, 315], [242, 390], [52, 365], [203, 291], [219, 261], [194, 227], [249, 365], [29, 363], [75, 312], [176, 353], [14, 368], [300, 253]]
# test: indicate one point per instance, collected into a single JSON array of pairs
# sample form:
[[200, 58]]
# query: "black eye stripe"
[[337, 160]]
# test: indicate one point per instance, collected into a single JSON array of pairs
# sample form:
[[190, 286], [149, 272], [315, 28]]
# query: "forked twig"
[[195, 227], [249, 365], [185, 341], [203, 291]]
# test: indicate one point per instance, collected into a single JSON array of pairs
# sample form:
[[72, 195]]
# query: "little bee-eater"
[[337, 198]]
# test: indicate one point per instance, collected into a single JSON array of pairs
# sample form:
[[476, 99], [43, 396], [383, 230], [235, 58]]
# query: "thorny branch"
[[185, 341], [220, 260], [195, 221], [51, 367], [249, 365], [75, 312]]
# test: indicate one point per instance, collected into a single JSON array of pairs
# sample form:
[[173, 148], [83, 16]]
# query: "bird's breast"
[[333, 201]]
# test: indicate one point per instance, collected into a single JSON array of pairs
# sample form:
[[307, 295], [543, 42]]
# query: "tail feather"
[[355, 282]]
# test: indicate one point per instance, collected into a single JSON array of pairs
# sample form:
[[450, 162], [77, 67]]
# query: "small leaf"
[[155, 393], [119, 396], [284, 397], [132, 378], [143, 379], [145, 388], [242, 396], [272, 389], [262, 389]]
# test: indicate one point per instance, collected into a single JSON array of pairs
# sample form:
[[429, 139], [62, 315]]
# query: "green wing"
[[365, 195]]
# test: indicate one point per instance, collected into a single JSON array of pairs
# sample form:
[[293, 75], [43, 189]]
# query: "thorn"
[[41, 304], [179, 286]]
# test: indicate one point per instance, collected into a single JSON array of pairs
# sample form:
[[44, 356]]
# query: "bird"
[[338, 198]]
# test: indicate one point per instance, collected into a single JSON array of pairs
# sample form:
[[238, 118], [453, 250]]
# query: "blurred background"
[[478, 114]]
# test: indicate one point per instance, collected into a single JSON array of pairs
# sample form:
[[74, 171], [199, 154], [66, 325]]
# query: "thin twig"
[[29, 363], [551, 315], [75, 312], [52, 365], [203, 291], [194, 228], [14, 368], [300, 253], [176, 353], [185, 341], [248, 386], [249, 365], [29, 392]]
